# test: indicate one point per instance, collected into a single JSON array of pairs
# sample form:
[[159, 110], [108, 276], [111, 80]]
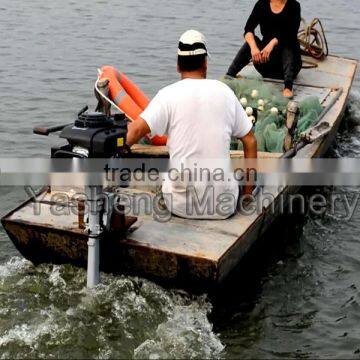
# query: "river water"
[[299, 300]]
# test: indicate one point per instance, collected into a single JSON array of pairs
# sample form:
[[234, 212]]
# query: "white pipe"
[[94, 228], [93, 266]]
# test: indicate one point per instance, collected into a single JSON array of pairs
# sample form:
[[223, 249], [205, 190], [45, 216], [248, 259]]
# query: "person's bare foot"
[[288, 93]]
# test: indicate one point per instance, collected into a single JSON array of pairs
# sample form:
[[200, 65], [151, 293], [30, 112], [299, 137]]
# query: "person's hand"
[[256, 55], [266, 52]]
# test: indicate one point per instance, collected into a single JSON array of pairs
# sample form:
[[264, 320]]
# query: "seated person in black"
[[278, 54]]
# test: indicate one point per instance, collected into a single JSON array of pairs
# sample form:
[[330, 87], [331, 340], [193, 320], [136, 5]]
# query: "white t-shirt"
[[199, 117]]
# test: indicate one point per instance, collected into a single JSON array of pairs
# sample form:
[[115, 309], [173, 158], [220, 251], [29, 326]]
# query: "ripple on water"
[[354, 107], [47, 311]]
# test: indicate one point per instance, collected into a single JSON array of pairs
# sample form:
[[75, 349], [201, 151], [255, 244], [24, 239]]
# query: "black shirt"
[[283, 26]]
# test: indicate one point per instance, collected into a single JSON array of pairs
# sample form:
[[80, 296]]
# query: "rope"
[[109, 100], [105, 97], [313, 42]]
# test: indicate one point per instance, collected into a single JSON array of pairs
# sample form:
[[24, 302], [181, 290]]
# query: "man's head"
[[192, 54]]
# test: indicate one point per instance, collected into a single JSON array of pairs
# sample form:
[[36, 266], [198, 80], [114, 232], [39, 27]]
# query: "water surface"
[[301, 299]]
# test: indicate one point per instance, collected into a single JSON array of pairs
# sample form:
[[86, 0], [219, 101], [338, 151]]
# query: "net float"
[[254, 94], [249, 111], [243, 101], [274, 111], [261, 102]]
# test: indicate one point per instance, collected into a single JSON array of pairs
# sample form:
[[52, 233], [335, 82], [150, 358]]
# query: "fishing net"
[[270, 105]]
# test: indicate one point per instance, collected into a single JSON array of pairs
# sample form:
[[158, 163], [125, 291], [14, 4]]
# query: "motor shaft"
[[94, 228]]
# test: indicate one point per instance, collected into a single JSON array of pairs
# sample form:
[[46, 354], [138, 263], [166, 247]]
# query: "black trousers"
[[284, 63]]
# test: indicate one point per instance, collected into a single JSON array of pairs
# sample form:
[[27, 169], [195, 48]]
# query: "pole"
[[94, 229], [292, 152]]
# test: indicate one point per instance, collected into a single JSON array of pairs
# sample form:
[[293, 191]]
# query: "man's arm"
[[250, 145], [268, 49], [154, 120], [255, 51], [249, 34], [136, 131], [250, 152]]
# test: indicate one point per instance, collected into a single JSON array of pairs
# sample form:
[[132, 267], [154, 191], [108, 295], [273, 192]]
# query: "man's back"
[[199, 116]]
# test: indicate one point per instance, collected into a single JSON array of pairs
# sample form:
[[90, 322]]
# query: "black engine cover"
[[102, 136]]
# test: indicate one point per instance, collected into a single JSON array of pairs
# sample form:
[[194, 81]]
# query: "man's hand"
[[266, 52], [256, 55], [255, 51], [136, 131], [250, 152]]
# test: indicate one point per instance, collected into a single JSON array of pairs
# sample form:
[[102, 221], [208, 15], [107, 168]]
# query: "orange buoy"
[[128, 97]]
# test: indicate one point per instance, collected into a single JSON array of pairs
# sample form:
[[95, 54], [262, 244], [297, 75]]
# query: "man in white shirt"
[[199, 116]]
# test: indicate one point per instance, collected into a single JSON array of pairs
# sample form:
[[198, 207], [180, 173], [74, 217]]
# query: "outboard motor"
[[93, 135]]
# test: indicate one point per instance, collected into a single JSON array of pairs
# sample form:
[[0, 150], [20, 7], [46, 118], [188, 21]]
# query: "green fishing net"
[[271, 112]]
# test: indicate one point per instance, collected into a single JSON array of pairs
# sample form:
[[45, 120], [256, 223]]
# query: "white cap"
[[192, 43]]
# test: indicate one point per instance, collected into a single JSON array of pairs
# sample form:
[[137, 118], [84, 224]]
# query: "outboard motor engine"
[[93, 135]]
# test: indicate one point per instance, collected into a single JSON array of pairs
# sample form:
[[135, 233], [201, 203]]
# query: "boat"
[[181, 251]]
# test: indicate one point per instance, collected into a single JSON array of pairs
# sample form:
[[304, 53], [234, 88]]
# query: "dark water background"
[[300, 300]]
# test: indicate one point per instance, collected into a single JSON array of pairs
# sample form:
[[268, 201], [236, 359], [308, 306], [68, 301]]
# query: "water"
[[300, 299]]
